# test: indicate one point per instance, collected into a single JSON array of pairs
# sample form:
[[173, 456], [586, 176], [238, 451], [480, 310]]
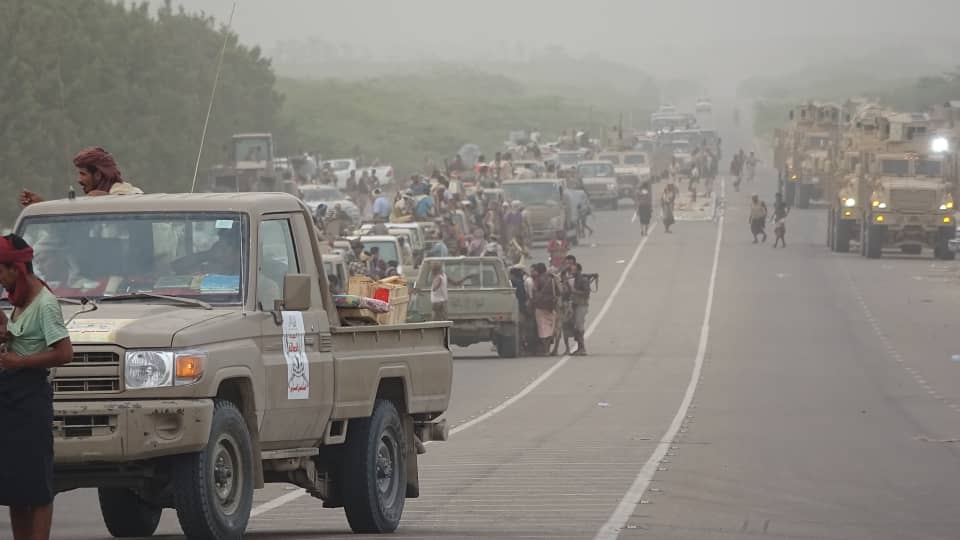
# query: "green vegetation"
[[405, 119], [91, 72]]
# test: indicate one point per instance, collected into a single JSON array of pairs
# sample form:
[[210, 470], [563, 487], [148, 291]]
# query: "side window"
[[278, 257]]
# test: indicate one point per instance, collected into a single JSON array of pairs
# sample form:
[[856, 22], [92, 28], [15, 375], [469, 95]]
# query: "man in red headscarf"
[[97, 174], [35, 339]]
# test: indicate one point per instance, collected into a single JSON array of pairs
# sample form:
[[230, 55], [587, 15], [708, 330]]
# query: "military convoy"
[[888, 178]]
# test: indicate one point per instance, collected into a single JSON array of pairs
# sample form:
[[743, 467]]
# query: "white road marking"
[[611, 529], [294, 495]]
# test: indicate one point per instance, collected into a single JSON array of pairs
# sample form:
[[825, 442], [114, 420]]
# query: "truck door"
[[299, 394]]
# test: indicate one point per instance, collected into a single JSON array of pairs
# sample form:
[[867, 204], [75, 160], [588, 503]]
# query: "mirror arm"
[[277, 312]]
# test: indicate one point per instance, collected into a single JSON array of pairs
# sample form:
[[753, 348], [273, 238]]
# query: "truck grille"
[[913, 200], [89, 372]]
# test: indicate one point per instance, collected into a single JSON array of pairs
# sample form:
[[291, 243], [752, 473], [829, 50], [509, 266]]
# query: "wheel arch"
[[237, 388]]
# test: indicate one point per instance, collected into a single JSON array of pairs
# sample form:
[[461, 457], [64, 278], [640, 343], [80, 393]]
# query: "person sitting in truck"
[[223, 257], [381, 205], [418, 186], [97, 174], [424, 207]]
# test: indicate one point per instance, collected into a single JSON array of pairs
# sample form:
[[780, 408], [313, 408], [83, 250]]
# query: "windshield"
[[468, 274], [928, 167], [612, 158], [388, 249], [194, 255], [569, 158], [594, 170], [251, 149], [634, 159], [533, 194], [818, 142], [340, 165], [895, 167], [322, 194]]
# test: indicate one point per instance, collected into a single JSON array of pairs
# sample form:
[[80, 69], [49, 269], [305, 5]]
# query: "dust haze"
[[715, 43]]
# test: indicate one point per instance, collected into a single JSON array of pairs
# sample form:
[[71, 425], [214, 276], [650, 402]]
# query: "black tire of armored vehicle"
[[803, 194], [213, 488], [831, 231], [126, 515], [841, 241], [874, 241], [941, 249], [375, 471]]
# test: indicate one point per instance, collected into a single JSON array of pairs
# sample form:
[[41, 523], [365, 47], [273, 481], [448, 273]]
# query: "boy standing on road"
[[35, 340]]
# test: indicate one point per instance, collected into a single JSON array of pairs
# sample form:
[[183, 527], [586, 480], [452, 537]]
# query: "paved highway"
[[732, 391]]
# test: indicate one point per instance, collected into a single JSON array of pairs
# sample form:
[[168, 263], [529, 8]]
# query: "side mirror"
[[296, 292]]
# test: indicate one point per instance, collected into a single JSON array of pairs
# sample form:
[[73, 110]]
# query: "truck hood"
[[137, 325]]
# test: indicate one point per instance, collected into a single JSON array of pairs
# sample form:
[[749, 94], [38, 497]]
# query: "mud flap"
[[413, 468]]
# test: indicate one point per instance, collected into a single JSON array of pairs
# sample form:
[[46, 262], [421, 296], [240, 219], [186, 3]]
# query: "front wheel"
[[126, 515], [213, 489], [375, 471]]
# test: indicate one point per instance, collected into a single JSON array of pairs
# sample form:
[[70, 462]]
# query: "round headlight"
[[850, 203], [148, 369]]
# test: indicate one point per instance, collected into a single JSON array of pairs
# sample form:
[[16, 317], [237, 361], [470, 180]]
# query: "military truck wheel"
[[375, 471], [508, 343], [831, 229], [941, 249], [126, 515], [874, 242], [213, 489], [789, 192], [802, 195], [841, 239]]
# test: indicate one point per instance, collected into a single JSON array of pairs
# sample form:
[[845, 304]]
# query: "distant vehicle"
[[631, 168], [483, 308], [546, 206], [536, 168], [384, 174], [250, 166], [704, 106], [416, 231], [316, 194], [599, 180], [567, 160], [389, 248]]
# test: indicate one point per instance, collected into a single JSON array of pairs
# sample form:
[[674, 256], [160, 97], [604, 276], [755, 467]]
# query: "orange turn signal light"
[[189, 367]]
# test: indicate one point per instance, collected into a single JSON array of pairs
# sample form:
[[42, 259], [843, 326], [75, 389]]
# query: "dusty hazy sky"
[[665, 36]]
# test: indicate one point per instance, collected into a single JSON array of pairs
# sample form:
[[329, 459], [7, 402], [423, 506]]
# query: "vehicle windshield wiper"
[[180, 299]]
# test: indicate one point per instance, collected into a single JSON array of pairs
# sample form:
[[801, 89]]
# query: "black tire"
[[126, 515], [789, 192], [830, 229], [802, 196], [841, 241], [376, 446], [875, 234], [213, 489], [508, 345], [942, 248]]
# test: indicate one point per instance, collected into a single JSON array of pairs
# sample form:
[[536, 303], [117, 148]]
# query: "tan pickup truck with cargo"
[[209, 359]]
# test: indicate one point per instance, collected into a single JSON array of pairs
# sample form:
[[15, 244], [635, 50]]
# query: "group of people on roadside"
[[548, 297]]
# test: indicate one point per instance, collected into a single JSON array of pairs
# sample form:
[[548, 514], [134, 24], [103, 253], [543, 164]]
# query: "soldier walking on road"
[[780, 212], [667, 202], [644, 201], [758, 218]]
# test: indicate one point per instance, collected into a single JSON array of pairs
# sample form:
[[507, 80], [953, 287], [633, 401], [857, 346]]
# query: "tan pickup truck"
[[209, 360]]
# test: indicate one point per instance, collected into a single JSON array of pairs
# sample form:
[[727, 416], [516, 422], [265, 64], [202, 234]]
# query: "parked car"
[[316, 194]]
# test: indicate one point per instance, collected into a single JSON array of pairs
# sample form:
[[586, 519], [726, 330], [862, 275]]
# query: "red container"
[[382, 294]]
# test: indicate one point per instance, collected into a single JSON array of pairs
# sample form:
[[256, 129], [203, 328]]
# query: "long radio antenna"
[[213, 93]]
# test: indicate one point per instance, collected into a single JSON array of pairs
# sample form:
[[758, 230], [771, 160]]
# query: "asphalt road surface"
[[732, 390]]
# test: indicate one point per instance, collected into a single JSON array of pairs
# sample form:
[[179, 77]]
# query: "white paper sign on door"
[[298, 368]]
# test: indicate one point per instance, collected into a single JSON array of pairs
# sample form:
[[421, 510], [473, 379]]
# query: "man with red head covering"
[[97, 174], [35, 339]]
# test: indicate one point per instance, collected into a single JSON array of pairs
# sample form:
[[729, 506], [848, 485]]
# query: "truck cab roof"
[[248, 203]]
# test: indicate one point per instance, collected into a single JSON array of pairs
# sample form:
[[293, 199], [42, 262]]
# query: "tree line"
[[94, 72]]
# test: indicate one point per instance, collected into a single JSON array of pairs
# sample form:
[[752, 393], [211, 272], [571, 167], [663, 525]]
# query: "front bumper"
[[120, 431], [954, 245]]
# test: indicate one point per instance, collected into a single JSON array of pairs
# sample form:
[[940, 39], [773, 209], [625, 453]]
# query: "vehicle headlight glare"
[[940, 145], [850, 203], [148, 369], [882, 205]]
